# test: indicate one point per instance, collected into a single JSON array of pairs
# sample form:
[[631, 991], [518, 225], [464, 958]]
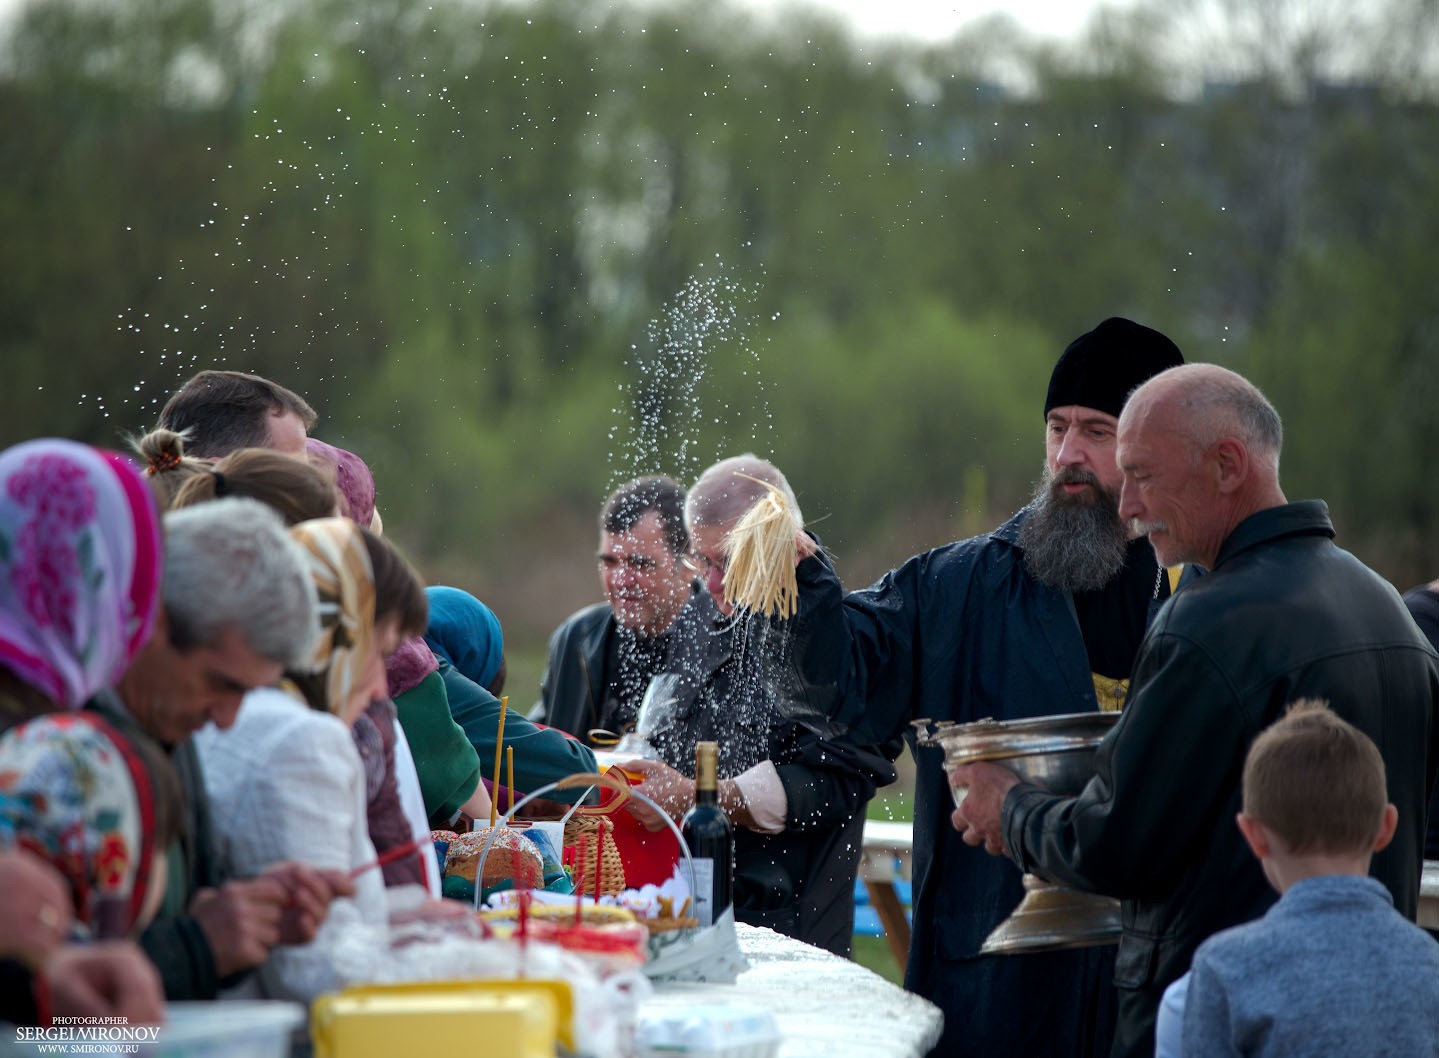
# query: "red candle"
[[580, 875], [599, 844]]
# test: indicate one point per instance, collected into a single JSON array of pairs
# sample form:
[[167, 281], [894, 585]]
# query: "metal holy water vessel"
[[1057, 753]]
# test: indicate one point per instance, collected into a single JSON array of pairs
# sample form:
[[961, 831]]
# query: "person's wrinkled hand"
[[105, 979], [35, 915], [241, 920], [663, 785], [308, 894], [340, 883], [978, 818]]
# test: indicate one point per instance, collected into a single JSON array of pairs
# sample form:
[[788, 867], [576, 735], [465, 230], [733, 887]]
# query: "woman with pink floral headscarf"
[[80, 556], [80, 560]]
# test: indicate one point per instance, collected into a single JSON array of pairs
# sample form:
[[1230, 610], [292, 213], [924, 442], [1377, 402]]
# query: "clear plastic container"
[[715, 1030], [229, 1028]]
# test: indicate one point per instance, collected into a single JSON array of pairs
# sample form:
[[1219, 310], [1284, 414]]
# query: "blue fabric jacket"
[[1331, 969], [541, 756]]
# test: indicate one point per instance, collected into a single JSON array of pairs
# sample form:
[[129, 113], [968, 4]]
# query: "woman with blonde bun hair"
[[167, 468]]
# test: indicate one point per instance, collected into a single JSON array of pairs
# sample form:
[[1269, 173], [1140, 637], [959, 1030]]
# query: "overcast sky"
[[936, 20], [930, 20]]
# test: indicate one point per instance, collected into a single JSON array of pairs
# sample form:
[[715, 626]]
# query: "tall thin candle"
[[499, 747], [510, 773]]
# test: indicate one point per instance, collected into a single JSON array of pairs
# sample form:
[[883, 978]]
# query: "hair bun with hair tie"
[[161, 462], [219, 483]]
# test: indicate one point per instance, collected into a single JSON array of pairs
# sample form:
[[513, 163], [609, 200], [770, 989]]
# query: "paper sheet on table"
[[711, 954]]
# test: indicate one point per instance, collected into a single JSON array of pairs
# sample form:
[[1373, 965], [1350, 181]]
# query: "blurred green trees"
[[459, 230]]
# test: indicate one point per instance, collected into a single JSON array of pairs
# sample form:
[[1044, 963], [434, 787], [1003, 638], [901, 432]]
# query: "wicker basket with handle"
[[593, 836], [678, 951], [589, 832]]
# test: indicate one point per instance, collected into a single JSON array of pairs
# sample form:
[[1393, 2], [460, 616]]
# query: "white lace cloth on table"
[[604, 1010], [826, 1007]]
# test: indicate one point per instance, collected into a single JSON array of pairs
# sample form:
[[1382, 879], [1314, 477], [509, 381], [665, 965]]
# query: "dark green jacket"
[[447, 764], [542, 756]]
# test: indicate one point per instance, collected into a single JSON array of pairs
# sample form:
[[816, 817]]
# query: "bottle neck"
[[706, 784]]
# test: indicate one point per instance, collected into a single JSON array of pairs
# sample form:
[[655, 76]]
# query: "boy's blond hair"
[[1316, 781]]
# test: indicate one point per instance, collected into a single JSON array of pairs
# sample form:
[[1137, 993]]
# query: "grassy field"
[[873, 954], [895, 804]]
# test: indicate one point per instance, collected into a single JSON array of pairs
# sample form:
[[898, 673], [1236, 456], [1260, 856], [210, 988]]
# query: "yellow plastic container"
[[523, 1019]]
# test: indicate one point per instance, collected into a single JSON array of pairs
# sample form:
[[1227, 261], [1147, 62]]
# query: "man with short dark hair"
[[603, 657], [1042, 616], [1282, 613], [227, 410]]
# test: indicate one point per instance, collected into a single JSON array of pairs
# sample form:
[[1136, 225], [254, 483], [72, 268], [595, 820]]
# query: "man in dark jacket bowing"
[[1041, 616], [1282, 614], [793, 783]]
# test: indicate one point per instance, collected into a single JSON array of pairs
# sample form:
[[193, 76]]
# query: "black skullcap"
[[1099, 369]]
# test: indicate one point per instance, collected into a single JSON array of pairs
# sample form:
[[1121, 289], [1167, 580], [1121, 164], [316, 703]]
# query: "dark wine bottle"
[[710, 838]]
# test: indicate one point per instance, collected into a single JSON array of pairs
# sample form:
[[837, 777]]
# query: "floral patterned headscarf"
[[80, 559], [345, 582], [74, 792]]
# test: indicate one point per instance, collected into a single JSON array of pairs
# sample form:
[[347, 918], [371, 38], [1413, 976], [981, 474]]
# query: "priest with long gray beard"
[[1042, 616]]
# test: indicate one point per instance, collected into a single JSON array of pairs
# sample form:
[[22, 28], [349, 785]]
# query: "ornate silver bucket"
[[1057, 753]]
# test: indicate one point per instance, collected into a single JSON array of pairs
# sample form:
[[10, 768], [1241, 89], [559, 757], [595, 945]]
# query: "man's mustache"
[[1073, 476]]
